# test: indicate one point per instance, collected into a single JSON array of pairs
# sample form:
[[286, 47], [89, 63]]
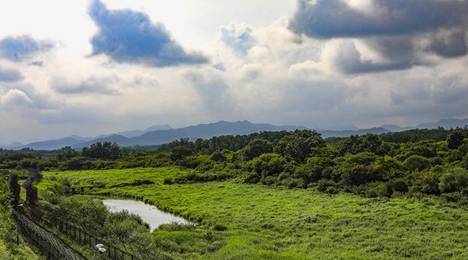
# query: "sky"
[[91, 67]]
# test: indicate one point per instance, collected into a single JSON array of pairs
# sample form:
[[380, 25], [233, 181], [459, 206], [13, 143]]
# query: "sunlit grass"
[[274, 222]]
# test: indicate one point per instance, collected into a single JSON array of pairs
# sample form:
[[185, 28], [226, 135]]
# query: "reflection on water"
[[148, 213]]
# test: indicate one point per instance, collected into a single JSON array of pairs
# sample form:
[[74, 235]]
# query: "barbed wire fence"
[[84, 238], [53, 247], [47, 236]]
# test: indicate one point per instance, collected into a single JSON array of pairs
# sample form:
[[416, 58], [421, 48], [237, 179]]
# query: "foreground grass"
[[277, 223], [8, 247]]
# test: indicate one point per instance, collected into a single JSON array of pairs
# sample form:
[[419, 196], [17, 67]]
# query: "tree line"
[[420, 161]]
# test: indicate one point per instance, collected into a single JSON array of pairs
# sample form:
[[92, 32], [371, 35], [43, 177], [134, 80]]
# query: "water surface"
[[148, 213]]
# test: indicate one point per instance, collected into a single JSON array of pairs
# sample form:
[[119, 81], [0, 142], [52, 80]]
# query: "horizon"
[[147, 129], [96, 67]]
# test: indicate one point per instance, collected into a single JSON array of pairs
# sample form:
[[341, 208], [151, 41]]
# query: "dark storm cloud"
[[394, 29], [335, 18], [131, 37], [449, 43], [348, 60], [22, 47], [9, 75]]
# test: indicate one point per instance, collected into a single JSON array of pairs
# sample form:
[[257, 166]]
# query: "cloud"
[[92, 85], [449, 43], [239, 38], [395, 17], [345, 57], [9, 75], [130, 37], [213, 93], [22, 48], [15, 97], [400, 33]]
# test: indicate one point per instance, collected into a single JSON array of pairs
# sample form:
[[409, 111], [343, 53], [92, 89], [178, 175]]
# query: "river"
[[148, 213]]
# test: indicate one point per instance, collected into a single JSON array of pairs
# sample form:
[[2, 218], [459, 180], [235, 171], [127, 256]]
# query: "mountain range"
[[162, 134]]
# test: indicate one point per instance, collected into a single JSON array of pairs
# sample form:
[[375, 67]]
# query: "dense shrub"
[[417, 163], [218, 157], [220, 227], [104, 151], [455, 139], [299, 145], [427, 182], [356, 175], [455, 180], [377, 189], [465, 161], [327, 186], [256, 148], [314, 169], [270, 164], [455, 155], [396, 185]]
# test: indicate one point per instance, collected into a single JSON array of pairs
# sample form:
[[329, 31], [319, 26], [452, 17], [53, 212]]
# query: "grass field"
[[280, 223]]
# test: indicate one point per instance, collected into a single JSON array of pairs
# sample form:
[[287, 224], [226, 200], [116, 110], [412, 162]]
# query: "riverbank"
[[256, 221]]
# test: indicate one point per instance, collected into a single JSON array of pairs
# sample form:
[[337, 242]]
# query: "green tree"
[[218, 156], [314, 169], [104, 151], [66, 153], [299, 145], [269, 164], [455, 139], [416, 163], [256, 148], [465, 161], [454, 180], [180, 152]]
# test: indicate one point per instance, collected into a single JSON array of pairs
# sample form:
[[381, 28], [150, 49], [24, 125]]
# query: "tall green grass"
[[8, 247], [279, 223]]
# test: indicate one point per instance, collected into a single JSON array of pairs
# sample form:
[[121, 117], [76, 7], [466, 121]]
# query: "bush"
[[465, 161], [269, 180], [376, 190], [455, 139], [269, 164], [313, 170], [363, 158], [327, 186], [360, 174], [455, 180], [168, 181], [220, 227], [256, 148], [218, 157], [294, 183], [455, 155], [416, 163], [428, 182], [397, 185], [104, 151]]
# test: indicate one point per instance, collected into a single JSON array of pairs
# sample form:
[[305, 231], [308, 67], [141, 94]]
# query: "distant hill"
[[347, 133], [447, 123], [54, 144], [119, 139], [162, 134], [12, 146], [138, 132], [192, 132]]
